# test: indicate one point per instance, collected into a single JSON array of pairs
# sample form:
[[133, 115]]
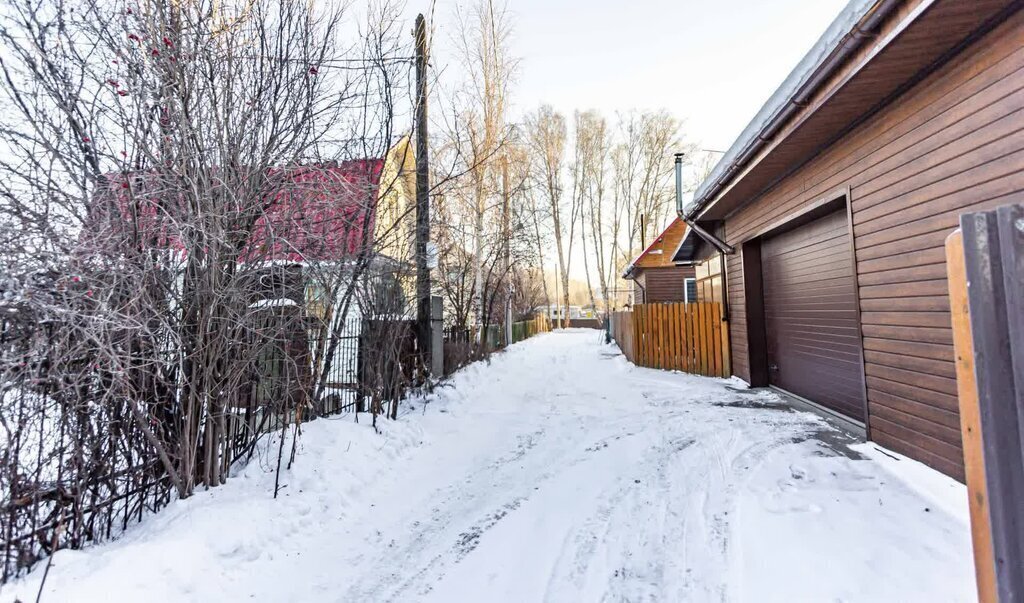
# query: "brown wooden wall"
[[951, 144], [663, 284], [709, 280]]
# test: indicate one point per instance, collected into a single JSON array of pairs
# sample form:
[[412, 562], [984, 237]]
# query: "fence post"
[[970, 420], [436, 336], [993, 256]]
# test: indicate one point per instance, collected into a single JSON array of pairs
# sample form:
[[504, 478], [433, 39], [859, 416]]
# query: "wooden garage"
[[905, 114], [812, 329]]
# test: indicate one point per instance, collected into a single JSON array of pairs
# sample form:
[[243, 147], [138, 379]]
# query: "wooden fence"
[[691, 338], [988, 336], [528, 328]]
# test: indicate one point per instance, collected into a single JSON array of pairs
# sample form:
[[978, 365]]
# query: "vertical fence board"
[[661, 335], [716, 342], [684, 348], [705, 311], [676, 339], [691, 339], [652, 313], [639, 336], [663, 329], [697, 360], [970, 421]]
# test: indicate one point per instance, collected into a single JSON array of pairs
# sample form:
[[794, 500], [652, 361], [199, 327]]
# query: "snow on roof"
[[854, 11]]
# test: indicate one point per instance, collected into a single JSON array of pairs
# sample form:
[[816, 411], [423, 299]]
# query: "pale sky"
[[711, 63]]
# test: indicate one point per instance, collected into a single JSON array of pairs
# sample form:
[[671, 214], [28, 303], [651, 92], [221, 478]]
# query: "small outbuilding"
[[656, 277]]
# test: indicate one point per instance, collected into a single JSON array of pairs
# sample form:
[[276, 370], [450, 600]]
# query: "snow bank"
[[189, 549], [559, 471]]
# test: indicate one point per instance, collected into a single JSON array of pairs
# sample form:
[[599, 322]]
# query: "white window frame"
[[686, 289]]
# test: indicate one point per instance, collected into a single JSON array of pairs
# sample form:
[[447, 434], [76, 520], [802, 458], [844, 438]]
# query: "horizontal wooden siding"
[[953, 143]]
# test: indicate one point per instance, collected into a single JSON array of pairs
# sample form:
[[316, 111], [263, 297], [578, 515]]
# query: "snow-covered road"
[[558, 472]]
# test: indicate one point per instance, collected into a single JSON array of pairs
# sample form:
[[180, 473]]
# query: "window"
[[691, 290]]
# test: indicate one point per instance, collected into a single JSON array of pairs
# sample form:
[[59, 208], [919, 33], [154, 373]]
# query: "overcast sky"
[[711, 63]]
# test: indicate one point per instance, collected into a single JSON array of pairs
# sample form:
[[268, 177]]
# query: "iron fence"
[[76, 465], [464, 345]]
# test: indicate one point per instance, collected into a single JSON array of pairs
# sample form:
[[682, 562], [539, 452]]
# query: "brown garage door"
[[810, 307]]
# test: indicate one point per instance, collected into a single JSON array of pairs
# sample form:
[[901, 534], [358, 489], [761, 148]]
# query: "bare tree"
[[484, 35], [181, 184], [546, 133]]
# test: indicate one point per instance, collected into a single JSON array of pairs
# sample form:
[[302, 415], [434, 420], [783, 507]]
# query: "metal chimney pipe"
[[679, 183]]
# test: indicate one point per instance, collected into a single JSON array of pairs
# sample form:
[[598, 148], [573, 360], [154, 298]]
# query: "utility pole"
[[507, 235], [643, 234], [423, 336]]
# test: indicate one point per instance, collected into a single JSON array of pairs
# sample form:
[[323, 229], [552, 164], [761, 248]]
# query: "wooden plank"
[[680, 336], [684, 365], [670, 325], [698, 358], [648, 341], [705, 353], [712, 339], [659, 326], [670, 350], [636, 335], [649, 346], [666, 322], [994, 265], [639, 336], [688, 346], [712, 322], [652, 312], [970, 421], [691, 343]]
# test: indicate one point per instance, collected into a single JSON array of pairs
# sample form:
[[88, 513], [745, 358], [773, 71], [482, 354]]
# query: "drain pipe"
[[719, 244]]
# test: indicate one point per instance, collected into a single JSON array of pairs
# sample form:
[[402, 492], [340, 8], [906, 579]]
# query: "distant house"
[[656, 276], [827, 216], [301, 249], [320, 214], [557, 312]]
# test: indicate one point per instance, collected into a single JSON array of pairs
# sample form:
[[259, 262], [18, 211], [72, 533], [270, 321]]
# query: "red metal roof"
[[315, 213]]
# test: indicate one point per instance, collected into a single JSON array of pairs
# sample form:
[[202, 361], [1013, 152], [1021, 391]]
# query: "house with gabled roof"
[[656, 276]]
